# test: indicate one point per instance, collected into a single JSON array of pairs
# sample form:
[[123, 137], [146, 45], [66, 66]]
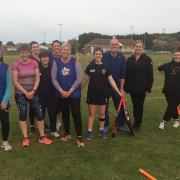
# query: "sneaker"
[[66, 137], [80, 142], [32, 129], [25, 142], [6, 146], [123, 129], [58, 124], [103, 134], [176, 124], [45, 140], [89, 136], [162, 124], [55, 134], [106, 129]]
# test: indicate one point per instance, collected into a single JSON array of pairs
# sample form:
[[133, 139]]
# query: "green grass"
[[112, 159]]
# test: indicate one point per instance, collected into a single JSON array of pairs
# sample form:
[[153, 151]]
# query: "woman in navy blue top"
[[5, 89], [67, 76]]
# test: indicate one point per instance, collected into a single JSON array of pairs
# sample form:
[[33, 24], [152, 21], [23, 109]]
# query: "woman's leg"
[[36, 106], [21, 102], [101, 112], [64, 103], [51, 109], [91, 116], [138, 105], [4, 117], [76, 114]]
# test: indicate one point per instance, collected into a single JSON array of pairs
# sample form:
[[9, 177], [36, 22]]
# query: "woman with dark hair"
[[139, 80], [98, 76], [55, 55], [5, 90], [26, 81], [171, 89], [66, 76], [46, 92]]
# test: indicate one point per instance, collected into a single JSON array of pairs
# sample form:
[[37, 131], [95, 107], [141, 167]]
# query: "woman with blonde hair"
[[67, 76], [139, 80]]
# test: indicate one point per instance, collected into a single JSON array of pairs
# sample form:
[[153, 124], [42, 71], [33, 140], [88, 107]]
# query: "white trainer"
[[176, 124], [6, 146], [55, 134], [162, 125]]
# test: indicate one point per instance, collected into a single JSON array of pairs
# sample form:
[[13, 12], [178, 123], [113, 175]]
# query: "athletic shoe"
[[89, 136], [80, 142], [58, 124], [55, 134], [123, 129], [162, 124], [6, 146], [45, 140], [103, 134], [106, 129], [176, 124], [66, 137], [25, 142]]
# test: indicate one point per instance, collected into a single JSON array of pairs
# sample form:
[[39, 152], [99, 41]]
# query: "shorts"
[[97, 99], [34, 104]]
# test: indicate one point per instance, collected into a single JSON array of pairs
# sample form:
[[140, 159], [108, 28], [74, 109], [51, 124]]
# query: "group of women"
[[53, 82]]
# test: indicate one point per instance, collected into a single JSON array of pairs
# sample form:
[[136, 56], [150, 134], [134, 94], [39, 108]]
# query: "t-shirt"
[[98, 82], [172, 77], [46, 87], [117, 66], [26, 73]]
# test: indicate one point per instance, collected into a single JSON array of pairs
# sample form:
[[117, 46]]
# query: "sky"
[[26, 20]]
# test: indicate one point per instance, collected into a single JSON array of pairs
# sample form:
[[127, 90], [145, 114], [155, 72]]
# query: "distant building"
[[11, 48], [126, 45]]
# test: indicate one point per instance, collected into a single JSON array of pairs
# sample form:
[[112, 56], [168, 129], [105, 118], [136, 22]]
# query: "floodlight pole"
[[60, 31]]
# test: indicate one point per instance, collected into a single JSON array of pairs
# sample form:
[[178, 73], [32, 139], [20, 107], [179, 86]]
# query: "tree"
[[74, 44], [10, 43]]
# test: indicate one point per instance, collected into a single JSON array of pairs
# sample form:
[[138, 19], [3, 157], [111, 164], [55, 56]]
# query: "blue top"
[[53, 58], [5, 84], [117, 65], [66, 76]]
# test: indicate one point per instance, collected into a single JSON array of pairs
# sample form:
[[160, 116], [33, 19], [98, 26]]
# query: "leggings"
[[4, 118], [73, 105], [171, 111]]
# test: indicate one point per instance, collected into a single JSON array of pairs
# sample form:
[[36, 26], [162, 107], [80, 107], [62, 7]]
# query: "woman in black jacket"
[[171, 89], [139, 80]]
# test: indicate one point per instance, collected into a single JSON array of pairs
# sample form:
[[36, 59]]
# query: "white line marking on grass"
[[155, 98]]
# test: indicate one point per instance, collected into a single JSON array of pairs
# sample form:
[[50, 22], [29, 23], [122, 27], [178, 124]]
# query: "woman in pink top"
[[26, 80]]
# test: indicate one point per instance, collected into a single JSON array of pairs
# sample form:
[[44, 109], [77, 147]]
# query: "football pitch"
[[157, 151]]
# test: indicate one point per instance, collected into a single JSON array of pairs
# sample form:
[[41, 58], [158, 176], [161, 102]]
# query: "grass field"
[[112, 159]]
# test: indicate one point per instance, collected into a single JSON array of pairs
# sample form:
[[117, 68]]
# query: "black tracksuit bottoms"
[[49, 103], [172, 103], [73, 105], [4, 118], [138, 107]]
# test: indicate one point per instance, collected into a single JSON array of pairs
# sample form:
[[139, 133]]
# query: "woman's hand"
[[63, 93], [3, 106], [122, 92], [29, 95]]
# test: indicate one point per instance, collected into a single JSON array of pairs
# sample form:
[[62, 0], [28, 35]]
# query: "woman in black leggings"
[[139, 80], [5, 89]]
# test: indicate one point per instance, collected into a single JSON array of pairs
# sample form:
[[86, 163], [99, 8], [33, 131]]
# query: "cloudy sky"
[[26, 20]]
